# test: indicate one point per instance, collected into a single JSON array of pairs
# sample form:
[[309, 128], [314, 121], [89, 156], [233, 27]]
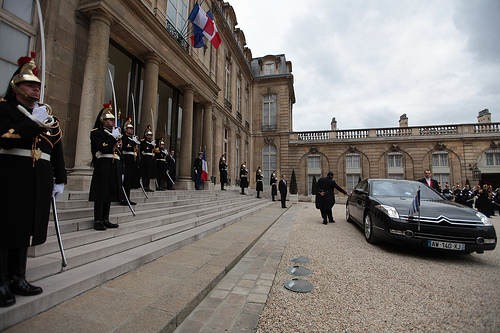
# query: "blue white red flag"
[[204, 168], [197, 37], [214, 38], [205, 22], [415, 205]]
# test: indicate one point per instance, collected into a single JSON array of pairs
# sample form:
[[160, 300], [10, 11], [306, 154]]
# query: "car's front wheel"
[[368, 229], [348, 214]]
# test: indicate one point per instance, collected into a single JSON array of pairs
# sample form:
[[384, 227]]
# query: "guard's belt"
[[99, 155], [24, 153], [128, 153], [148, 154]]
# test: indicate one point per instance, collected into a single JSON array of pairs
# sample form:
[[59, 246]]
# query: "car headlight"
[[486, 221], [389, 210]]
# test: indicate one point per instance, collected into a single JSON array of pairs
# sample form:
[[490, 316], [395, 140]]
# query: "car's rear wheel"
[[368, 229], [348, 214]]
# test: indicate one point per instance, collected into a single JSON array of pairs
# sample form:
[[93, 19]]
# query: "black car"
[[381, 207]]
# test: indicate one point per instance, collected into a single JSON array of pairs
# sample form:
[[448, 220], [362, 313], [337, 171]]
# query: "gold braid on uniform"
[[53, 131]]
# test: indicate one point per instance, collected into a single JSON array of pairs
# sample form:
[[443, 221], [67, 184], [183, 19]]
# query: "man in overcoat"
[[106, 183], [427, 180], [283, 190], [325, 198], [31, 161], [170, 170], [198, 168]]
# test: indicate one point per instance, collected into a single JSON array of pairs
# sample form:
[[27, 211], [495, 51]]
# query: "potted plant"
[[314, 189]]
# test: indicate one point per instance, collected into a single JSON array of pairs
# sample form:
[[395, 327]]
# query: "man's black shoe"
[[98, 225], [108, 224], [324, 222], [23, 288], [148, 190], [332, 221]]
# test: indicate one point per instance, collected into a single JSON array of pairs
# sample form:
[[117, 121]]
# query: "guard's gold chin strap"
[[18, 90]]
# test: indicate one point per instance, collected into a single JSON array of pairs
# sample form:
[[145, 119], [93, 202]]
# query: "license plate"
[[446, 245]]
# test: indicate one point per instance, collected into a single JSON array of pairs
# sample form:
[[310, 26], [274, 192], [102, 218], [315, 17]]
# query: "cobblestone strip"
[[237, 301]]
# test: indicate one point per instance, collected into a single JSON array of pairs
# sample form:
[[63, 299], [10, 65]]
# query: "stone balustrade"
[[403, 132]]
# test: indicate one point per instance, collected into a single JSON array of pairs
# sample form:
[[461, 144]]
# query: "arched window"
[[268, 162]]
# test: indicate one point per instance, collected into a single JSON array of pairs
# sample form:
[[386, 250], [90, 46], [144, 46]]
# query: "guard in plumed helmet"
[[243, 177], [258, 179], [31, 161], [223, 171], [130, 159], [147, 165], [273, 181], [160, 157], [106, 184]]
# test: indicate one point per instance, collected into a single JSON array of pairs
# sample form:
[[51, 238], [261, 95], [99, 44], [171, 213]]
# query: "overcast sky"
[[367, 62]]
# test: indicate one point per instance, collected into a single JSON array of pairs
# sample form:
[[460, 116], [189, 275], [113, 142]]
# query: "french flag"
[[204, 168], [205, 21]]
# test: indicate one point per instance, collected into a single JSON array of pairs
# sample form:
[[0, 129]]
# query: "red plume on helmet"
[[24, 60]]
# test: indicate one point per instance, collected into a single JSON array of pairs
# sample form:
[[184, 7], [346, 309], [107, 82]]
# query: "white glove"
[[153, 143], [165, 151], [134, 138], [57, 190], [116, 133], [40, 113]]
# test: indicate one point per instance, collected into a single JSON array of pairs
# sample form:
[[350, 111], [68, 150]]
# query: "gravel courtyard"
[[359, 287]]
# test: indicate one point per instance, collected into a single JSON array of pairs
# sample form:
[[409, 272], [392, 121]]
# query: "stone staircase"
[[164, 222]]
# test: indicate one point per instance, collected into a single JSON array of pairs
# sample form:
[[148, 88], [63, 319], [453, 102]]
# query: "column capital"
[[99, 15], [152, 58], [188, 88]]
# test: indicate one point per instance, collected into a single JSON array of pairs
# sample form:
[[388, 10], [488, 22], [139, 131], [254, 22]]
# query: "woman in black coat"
[[106, 184], [31, 160]]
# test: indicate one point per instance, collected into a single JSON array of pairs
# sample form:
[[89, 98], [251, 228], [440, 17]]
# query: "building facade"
[[220, 101]]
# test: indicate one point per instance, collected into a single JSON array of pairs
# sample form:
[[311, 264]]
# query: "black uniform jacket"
[[26, 183], [130, 162], [273, 182], [106, 184], [161, 164], [326, 185], [243, 178], [147, 165], [171, 167], [223, 172], [260, 183]]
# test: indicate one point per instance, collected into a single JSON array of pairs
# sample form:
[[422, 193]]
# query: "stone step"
[[113, 256]]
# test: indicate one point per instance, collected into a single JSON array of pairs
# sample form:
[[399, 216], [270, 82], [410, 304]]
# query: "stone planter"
[[294, 198]]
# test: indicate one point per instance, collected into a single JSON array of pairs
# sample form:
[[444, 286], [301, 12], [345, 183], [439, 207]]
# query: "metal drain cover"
[[299, 271], [299, 285], [300, 260]]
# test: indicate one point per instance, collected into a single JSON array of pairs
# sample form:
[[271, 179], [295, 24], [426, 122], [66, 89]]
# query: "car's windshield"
[[393, 188]]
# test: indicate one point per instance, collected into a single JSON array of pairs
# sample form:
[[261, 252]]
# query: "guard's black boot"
[[105, 216], [17, 267], [7, 298], [98, 225]]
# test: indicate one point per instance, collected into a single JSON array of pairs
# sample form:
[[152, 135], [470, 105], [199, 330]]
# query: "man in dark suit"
[[432, 183], [325, 198], [170, 170], [283, 190]]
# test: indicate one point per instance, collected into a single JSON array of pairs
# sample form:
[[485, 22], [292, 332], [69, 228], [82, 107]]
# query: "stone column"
[[150, 93], [207, 135], [93, 88], [185, 159]]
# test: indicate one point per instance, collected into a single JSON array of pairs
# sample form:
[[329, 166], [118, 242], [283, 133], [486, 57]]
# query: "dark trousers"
[[327, 213], [101, 211], [197, 180], [283, 199]]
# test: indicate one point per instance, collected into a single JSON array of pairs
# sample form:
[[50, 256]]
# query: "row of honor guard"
[[121, 161]]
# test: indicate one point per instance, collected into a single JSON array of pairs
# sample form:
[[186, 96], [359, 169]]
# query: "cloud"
[[367, 62]]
